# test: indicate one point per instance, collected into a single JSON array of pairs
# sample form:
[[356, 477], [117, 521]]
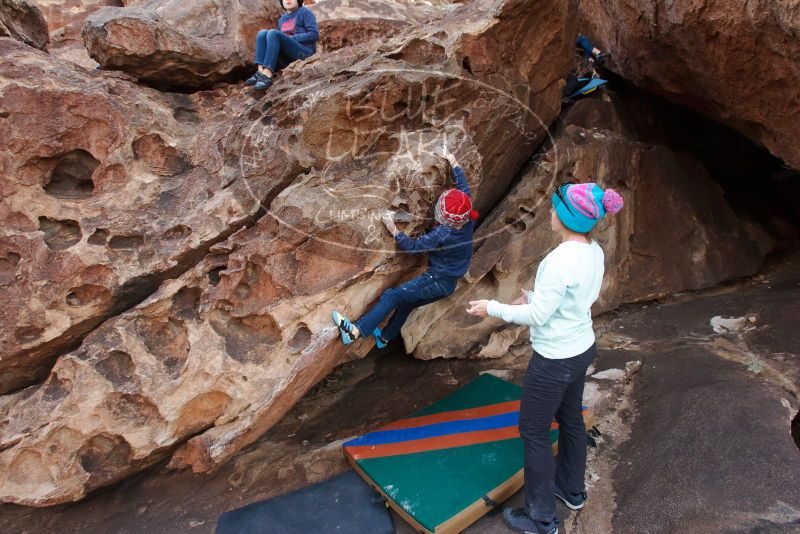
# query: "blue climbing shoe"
[[379, 341], [345, 327], [263, 82], [252, 79], [519, 520]]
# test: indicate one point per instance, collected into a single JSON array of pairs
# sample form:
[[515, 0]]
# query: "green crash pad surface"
[[440, 460]]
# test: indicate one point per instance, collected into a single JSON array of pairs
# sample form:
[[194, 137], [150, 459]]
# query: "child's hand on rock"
[[446, 154], [478, 308], [388, 221]]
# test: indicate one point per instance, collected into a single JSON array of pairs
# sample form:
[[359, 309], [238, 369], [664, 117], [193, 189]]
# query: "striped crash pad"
[[445, 466]]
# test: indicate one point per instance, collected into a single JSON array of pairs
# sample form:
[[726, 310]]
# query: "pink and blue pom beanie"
[[585, 205]]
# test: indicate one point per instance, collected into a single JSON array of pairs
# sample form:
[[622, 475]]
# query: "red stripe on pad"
[[364, 452], [456, 415]]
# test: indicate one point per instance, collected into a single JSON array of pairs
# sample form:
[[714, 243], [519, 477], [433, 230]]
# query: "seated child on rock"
[[296, 38], [449, 248]]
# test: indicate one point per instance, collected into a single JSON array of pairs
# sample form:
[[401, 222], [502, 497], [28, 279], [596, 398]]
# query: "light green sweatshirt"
[[559, 313]]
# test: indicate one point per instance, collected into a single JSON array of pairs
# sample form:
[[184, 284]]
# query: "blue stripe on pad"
[[383, 437]]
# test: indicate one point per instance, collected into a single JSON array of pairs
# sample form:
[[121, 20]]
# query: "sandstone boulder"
[[178, 43], [676, 231], [195, 44], [107, 190], [241, 330], [65, 20], [24, 22], [349, 22], [737, 61]]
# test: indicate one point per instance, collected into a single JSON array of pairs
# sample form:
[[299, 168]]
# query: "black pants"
[[553, 389]]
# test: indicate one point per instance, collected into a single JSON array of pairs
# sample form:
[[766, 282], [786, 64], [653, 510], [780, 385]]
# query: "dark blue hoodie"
[[302, 25], [449, 249]]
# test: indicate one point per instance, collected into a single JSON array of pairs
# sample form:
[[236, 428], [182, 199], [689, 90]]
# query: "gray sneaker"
[[574, 501], [519, 520]]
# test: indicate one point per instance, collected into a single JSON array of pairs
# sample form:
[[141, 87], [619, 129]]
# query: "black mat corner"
[[344, 503]]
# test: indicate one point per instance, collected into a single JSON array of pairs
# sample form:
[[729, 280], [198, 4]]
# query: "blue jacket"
[[302, 25], [449, 250]]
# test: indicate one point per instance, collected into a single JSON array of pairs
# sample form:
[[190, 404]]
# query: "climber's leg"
[[400, 316], [422, 290], [261, 46], [590, 51], [585, 45], [261, 50], [387, 302], [281, 45]]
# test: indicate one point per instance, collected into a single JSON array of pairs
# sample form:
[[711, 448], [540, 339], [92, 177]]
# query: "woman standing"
[[558, 312], [296, 38]]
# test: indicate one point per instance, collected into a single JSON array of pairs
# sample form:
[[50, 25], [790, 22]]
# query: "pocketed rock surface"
[[736, 61], [169, 260], [660, 387], [228, 225]]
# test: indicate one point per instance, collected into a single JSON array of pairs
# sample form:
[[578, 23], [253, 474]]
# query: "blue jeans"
[[422, 290], [274, 48], [553, 389], [586, 45]]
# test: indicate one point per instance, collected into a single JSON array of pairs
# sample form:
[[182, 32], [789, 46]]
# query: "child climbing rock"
[[558, 311], [296, 38], [449, 248]]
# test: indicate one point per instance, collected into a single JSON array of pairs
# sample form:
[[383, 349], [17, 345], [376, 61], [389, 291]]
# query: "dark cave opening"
[[756, 184]]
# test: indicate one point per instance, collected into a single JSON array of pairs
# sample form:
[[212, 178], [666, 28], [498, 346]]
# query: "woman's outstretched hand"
[[523, 298], [478, 308]]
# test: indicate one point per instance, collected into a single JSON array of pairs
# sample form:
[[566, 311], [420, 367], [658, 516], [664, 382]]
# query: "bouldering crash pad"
[[447, 465]]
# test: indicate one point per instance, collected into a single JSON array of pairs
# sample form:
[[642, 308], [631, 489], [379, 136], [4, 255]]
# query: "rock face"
[[737, 61], [257, 217], [349, 22], [172, 43], [107, 191], [743, 383], [24, 22], [676, 231], [65, 20], [747, 378], [178, 43]]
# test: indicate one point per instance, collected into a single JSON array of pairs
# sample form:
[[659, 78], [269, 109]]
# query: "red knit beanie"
[[454, 207]]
